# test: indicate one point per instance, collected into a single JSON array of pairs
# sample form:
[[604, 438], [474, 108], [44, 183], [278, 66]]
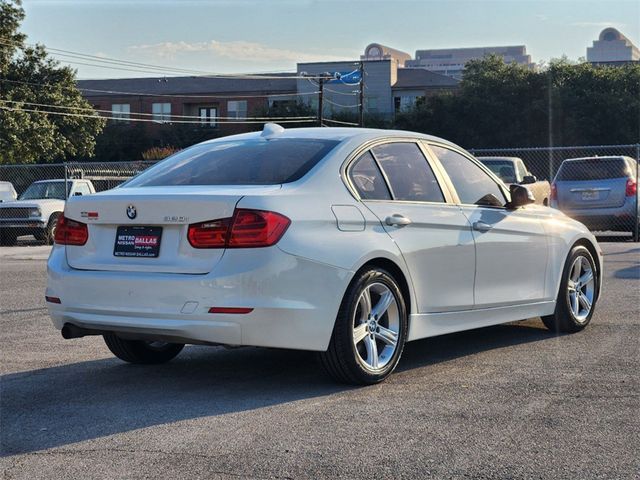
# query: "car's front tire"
[[370, 330], [142, 352], [577, 295]]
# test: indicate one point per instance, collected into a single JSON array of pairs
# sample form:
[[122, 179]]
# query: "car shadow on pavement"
[[71, 403]]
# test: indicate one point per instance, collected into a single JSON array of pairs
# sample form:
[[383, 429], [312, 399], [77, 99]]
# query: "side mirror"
[[528, 179], [520, 196], [77, 194]]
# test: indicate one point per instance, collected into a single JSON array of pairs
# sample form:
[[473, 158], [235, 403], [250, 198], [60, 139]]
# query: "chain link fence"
[[597, 185], [44, 189]]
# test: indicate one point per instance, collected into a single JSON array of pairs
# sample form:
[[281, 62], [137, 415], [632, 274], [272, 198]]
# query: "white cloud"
[[238, 50]]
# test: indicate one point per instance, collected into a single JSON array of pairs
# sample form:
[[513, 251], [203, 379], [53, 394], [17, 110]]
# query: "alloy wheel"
[[376, 326]]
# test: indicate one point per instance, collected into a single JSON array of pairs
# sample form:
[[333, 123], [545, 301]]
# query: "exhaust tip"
[[70, 331]]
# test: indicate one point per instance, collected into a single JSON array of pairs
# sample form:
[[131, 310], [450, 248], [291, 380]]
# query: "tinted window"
[[473, 185], [593, 169], [408, 172], [368, 180], [241, 162]]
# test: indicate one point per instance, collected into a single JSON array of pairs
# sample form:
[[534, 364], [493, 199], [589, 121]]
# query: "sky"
[[232, 36]]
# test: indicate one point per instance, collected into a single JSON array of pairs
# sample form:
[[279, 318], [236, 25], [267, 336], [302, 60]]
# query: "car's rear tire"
[[578, 293], [142, 352], [370, 330]]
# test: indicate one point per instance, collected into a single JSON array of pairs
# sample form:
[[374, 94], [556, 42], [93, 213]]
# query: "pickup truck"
[[36, 211], [512, 170]]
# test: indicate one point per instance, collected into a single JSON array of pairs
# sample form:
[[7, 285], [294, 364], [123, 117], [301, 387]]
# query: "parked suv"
[[37, 210], [600, 192]]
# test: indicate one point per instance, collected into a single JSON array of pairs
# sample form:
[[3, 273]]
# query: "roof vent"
[[271, 130]]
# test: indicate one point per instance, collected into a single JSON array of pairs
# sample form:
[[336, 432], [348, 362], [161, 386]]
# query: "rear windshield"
[[593, 169], [241, 162], [502, 168]]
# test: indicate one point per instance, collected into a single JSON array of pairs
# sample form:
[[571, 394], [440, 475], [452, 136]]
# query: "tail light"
[[70, 232], [554, 192], [246, 229], [632, 187]]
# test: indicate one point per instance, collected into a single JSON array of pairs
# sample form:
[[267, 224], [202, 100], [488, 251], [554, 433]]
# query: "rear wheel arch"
[[396, 272]]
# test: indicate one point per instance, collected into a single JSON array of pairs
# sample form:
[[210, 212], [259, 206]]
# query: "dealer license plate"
[[137, 241]]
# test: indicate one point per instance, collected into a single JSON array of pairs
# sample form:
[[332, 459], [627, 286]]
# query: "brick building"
[[207, 101]]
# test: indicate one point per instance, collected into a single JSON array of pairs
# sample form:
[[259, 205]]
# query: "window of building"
[[120, 111], [161, 112], [372, 104], [208, 115], [408, 172], [237, 108]]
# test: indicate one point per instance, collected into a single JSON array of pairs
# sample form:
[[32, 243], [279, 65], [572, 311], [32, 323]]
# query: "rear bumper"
[[295, 301], [616, 219]]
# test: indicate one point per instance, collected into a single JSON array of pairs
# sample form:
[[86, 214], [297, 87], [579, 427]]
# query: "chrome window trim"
[[345, 170]]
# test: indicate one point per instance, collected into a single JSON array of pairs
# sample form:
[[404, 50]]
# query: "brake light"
[[246, 229], [212, 234], [231, 310], [554, 192], [70, 232], [632, 187]]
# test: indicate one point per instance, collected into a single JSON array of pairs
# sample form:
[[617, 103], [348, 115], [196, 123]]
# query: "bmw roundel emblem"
[[131, 212]]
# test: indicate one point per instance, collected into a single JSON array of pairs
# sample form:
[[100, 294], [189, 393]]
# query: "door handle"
[[481, 226], [398, 220]]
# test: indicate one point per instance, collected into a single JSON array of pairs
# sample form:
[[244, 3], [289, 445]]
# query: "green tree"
[[31, 83], [507, 105]]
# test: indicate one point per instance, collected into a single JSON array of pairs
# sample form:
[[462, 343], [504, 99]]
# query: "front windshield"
[[37, 191]]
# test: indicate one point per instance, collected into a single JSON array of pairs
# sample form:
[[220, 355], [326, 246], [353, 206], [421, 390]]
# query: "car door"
[[396, 182], [511, 246]]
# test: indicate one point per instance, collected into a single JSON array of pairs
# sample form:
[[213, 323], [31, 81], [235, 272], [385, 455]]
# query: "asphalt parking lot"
[[512, 401]]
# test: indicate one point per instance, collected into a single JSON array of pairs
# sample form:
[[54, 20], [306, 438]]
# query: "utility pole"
[[361, 96], [320, 93]]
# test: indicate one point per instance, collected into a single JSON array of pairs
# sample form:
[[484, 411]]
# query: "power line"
[[341, 105], [161, 95], [48, 105], [81, 115], [127, 65]]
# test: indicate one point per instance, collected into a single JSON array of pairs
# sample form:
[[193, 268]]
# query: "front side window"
[[237, 108], [367, 179], [161, 112], [473, 185], [121, 111], [239, 162], [409, 174]]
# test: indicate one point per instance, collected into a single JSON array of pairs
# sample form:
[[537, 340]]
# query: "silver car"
[[600, 192]]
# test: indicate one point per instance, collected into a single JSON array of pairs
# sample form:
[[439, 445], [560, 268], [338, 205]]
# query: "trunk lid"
[[602, 193], [167, 211]]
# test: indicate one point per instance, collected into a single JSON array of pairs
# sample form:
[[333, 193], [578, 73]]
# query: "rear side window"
[[241, 162], [367, 178], [409, 174], [593, 169]]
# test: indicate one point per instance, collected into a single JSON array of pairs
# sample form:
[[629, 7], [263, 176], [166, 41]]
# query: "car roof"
[[607, 157], [336, 133]]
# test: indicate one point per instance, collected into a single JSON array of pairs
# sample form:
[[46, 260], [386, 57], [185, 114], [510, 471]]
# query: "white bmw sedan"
[[347, 242]]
